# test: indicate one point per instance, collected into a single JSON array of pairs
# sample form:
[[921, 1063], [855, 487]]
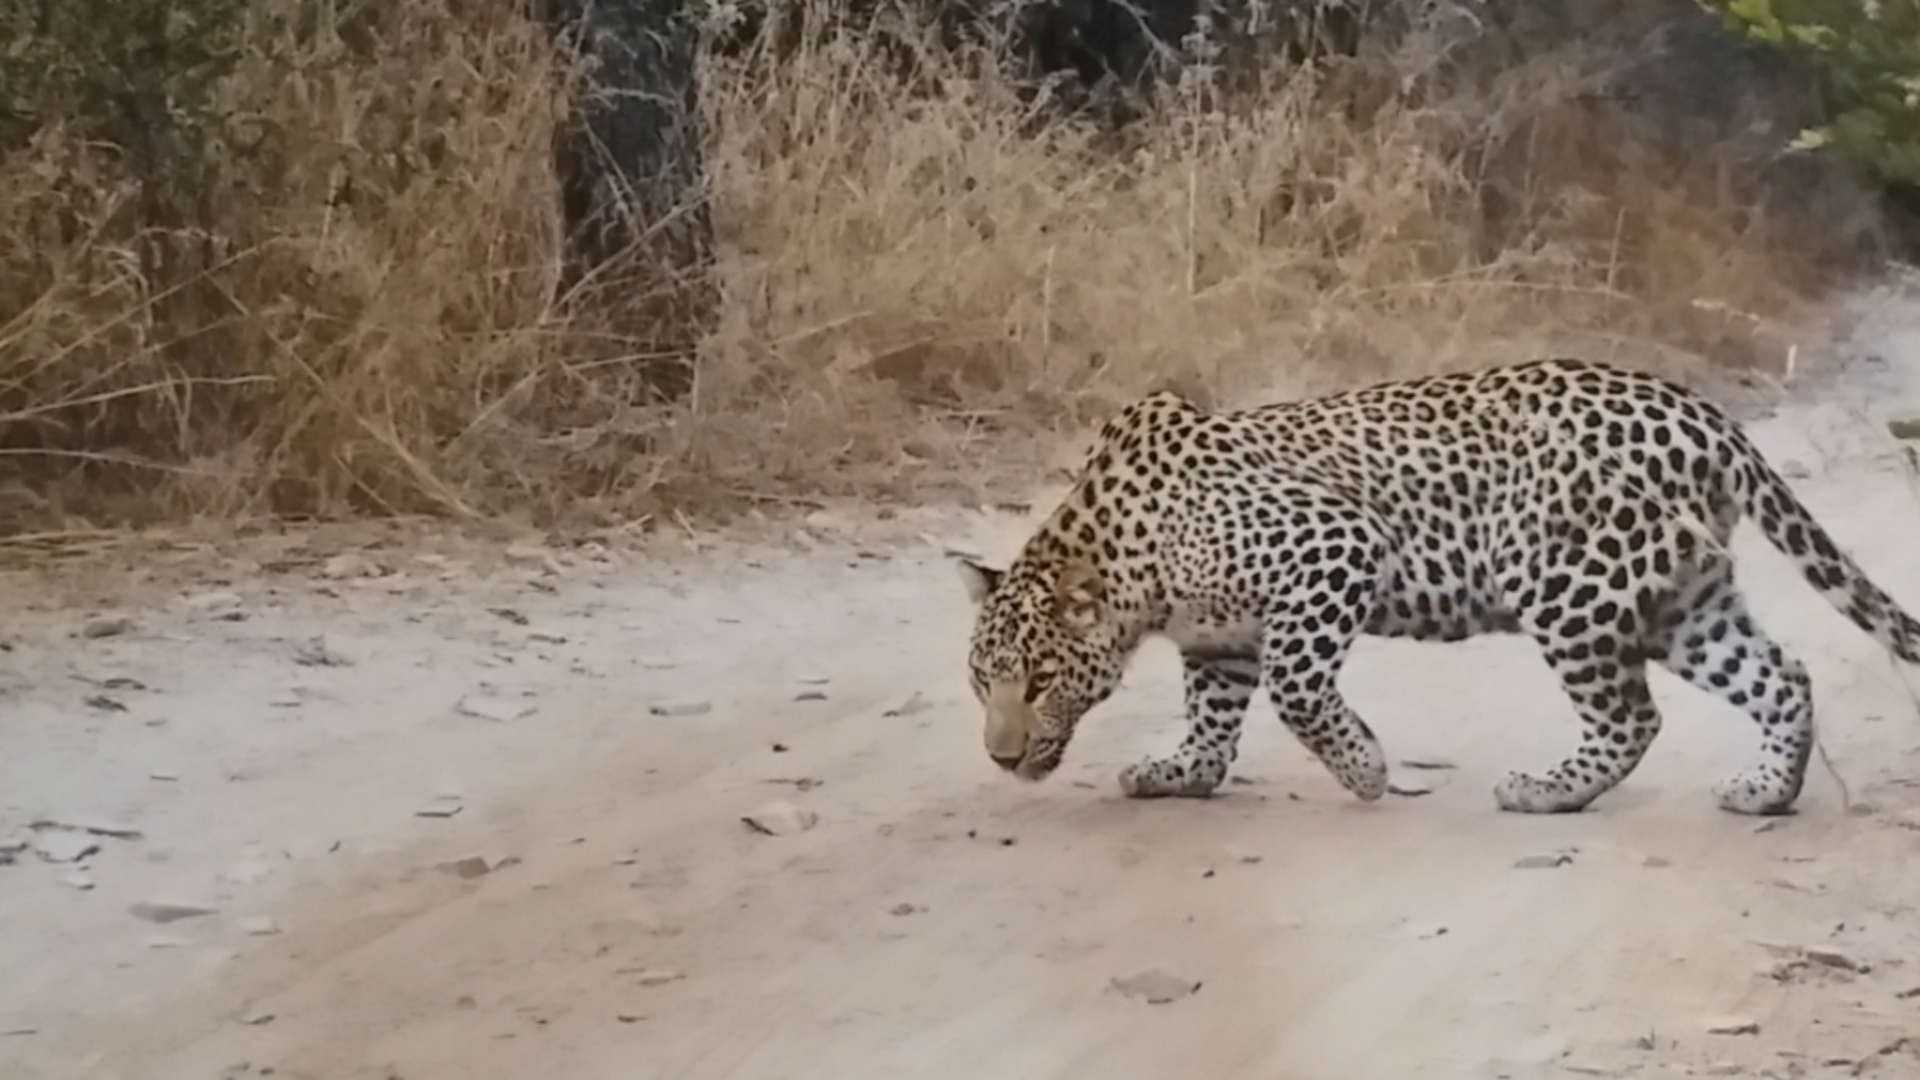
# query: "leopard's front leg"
[[1219, 688]]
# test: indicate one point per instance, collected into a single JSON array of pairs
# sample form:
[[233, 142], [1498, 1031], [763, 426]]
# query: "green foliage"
[[1868, 56]]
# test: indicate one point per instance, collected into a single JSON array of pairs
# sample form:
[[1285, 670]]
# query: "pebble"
[[657, 976], [1156, 986], [63, 845], [681, 707], [1543, 862], [442, 806], [472, 866], [915, 703], [781, 818], [78, 881], [259, 926], [160, 911], [1541, 1049], [1732, 1025], [106, 626], [494, 709]]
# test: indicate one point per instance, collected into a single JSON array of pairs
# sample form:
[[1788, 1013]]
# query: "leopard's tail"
[[1789, 526]]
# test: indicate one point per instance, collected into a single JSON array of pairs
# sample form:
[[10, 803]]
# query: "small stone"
[[106, 626], [1156, 986], [781, 818], [163, 775], [1426, 931], [442, 806], [1543, 862], [494, 709], [903, 909], [1541, 1049], [1429, 764], [78, 881], [915, 703], [348, 564], [682, 707], [1409, 791], [1834, 958], [813, 680], [810, 695], [88, 825], [210, 601], [472, 866], [165, 912], [314, 652], [259, 926], [256, 1017], [63, 845], [657, 976], [1732, 1025]]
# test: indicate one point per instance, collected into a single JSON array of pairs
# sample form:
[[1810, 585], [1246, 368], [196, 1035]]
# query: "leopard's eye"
[[1038, 682]]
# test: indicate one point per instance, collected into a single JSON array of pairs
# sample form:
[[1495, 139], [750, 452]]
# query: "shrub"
[[1867, 53]]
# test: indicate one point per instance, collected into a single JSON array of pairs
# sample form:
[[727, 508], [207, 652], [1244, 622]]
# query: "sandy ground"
[[440, 830]]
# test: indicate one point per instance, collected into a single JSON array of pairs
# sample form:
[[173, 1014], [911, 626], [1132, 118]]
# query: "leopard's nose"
[[1006, 762]]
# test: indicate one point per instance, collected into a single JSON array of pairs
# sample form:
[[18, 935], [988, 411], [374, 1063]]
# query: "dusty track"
[[941, 920]]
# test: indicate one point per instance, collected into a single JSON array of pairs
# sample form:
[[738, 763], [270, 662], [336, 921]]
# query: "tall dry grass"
[[342, 301]]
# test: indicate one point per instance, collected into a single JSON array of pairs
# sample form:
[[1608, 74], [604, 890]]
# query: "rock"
[[1428, 764], [103, 703], [160, 911], [259, 926], [247, 872], [1426, 931], [1543, 862], [314, 652], [213, 601], [904, 909], [657, 976], [1156, 986], [494, 709], [77, 880], [914, 704], [1409, 791], [87, 825], [781, 818], [1834, 958], [682, 707], [1541, 1049], [810, 695], [1732, 1025], [349, 564], [106, 626], [472, 866], [442, 806], [63, 845], [256, 1017]]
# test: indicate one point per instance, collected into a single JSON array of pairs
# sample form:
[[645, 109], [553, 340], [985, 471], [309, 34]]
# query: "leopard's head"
[[1045, 650]]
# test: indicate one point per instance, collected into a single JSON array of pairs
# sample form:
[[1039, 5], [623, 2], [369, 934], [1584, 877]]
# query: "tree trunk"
[[639, 238]]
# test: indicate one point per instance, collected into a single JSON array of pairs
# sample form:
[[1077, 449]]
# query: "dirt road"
[[940, 920]]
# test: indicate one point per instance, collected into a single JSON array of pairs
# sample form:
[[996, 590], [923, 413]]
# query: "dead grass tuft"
[[337, 298]]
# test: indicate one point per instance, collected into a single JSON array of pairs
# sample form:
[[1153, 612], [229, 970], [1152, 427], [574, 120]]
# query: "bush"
[[1867, 53], [294, 257]]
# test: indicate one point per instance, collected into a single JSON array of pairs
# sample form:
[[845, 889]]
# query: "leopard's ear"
[[1080, 597], [980, 581]]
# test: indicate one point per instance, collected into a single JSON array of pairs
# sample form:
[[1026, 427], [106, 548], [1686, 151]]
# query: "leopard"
[[1581, 504]]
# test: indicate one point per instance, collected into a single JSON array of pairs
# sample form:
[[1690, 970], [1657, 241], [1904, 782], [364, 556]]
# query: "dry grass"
[[346, 306]]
